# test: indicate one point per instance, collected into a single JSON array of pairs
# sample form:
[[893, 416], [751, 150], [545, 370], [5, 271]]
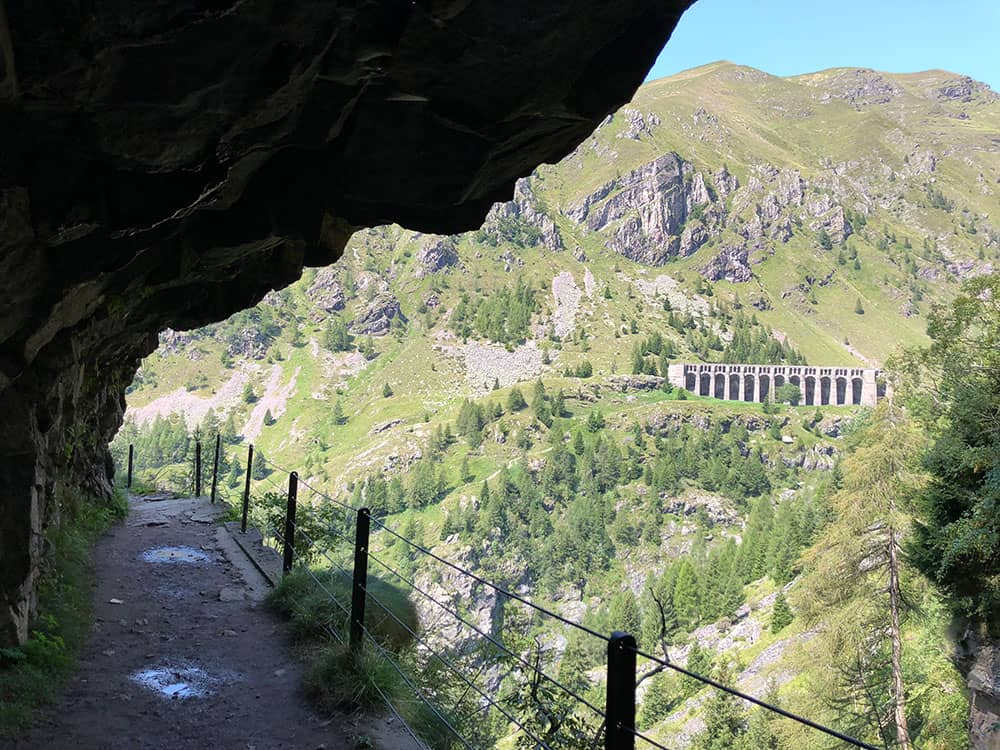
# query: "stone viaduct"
[[819, 385]]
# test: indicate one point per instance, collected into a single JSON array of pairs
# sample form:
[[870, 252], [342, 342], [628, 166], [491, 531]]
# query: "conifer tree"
[[685, 595], [781, 614], [858, 566], [725, 719], [515, 400], [624, 613], [658, 701], [338, 413]]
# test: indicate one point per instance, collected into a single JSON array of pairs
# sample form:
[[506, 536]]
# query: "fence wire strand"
[[340, 568], [521, 660], [456, 671], [648, 740], [416, 691], [757, 701], [495, 587]]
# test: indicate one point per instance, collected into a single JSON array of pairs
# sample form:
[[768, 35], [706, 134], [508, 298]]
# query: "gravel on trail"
[[183, 653]]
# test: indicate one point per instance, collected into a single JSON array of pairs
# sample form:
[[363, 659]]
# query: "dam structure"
[[834, 386]]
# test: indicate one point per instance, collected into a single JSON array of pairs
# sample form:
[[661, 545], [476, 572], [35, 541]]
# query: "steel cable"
[[495, 587], [416, 691], [757, 701], [457, 671], [521, 660]]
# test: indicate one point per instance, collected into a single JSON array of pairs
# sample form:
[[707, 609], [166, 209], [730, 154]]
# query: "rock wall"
[[979, 659], [167, 164]]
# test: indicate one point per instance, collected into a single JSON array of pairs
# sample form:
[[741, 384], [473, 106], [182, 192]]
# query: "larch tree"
[[856, 571]]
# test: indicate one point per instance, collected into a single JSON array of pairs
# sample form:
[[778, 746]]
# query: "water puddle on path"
[[181, 683], [168, 555]]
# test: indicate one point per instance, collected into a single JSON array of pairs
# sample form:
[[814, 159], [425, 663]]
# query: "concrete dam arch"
[[819, 386]]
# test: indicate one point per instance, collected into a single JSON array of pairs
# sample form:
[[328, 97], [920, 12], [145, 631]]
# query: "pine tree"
[[659, 700], [624, 613], [338, 413], [268, 418], [261, 469], [559, 404], [700, 662], [336, 337], [725, 719], [515, 400], [858, 307], [685, 595], [386, 391], [781, 615], [396, 500], [228, 431]]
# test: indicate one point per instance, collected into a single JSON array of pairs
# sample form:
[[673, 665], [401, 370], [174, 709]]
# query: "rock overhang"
[[169, 163]]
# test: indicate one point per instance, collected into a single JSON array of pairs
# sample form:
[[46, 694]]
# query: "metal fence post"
[[197, 468], [359, 592], [215, 466], [293, 491], [131, 451], [246, 490], [619, 734]]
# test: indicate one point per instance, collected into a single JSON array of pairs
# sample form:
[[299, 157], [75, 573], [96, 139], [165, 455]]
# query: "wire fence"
[[547, 713]]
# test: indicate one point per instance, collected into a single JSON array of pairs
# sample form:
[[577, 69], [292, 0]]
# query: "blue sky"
[[787, 37]]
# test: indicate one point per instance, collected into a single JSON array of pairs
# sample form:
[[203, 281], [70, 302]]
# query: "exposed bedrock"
[[167, 163]]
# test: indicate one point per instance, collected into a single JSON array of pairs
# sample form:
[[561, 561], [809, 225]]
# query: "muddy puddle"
[[183, 682], [175, 555]]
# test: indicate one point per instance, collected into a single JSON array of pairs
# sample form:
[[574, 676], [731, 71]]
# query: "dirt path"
[[226, 678]]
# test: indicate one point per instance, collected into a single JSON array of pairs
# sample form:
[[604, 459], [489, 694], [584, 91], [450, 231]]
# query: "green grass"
[[31, 675], [340, 679]]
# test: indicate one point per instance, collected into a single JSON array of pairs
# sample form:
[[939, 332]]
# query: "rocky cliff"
[[166, 164]]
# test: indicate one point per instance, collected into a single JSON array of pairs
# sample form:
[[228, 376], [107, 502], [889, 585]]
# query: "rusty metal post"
[[293, 491], [131, 452], [246, 490], [359, 592]]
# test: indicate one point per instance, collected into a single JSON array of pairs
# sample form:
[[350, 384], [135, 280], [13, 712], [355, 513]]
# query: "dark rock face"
[[167, 164], [437, 254], [646, 210], [660, 210], [730, 264], [525, 208], [326, 292], [377, 317]]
